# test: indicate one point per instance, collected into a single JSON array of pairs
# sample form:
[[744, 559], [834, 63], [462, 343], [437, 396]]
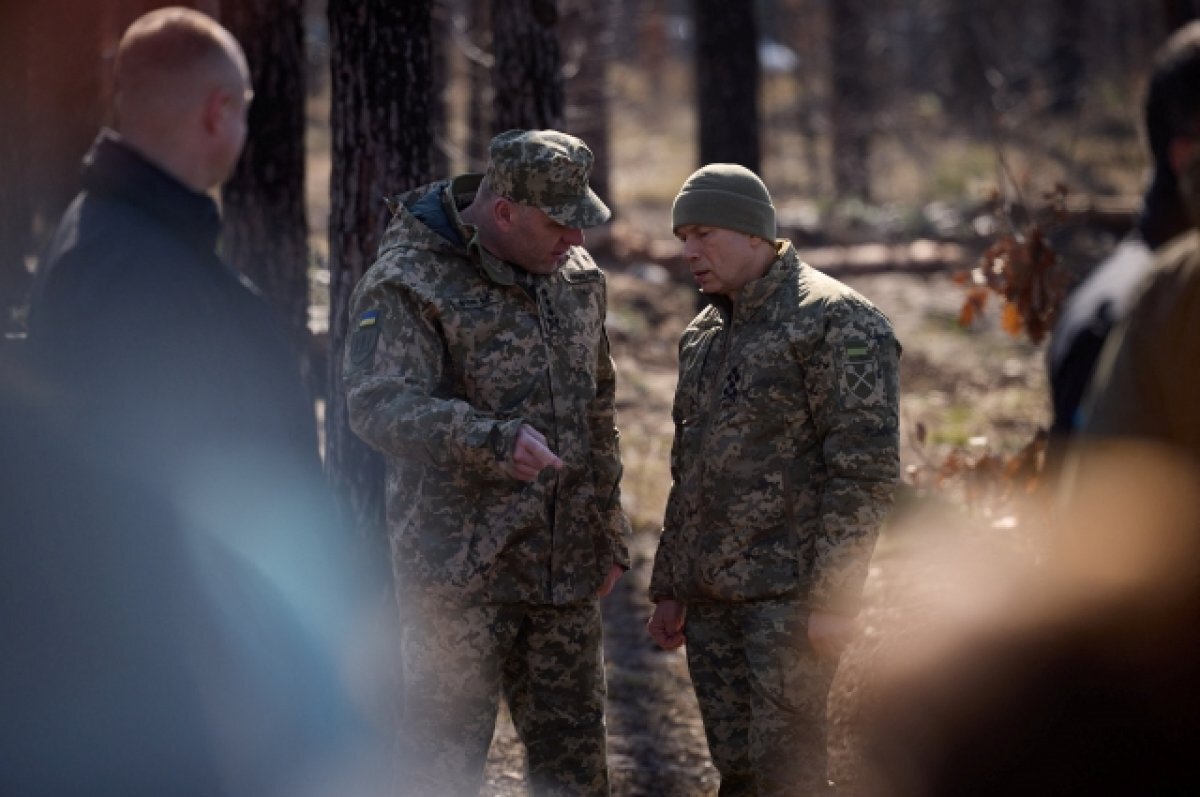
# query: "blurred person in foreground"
[[175, 590], [1076, 676], [1102, 300], [785, 459], [1146, 386], [1085, 682], [479, 366]]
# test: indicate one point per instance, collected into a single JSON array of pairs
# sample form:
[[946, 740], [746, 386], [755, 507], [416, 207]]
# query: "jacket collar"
[[112, 168], [493, 268], [755, 294]]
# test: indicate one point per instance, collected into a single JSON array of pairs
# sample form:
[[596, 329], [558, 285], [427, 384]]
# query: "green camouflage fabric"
[[548, 170], [548, 663], [450, 351], [786, 450], [762, 695]]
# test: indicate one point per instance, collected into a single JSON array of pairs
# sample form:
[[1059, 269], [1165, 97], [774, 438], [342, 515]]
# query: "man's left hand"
[[610, 581], [830, 632]]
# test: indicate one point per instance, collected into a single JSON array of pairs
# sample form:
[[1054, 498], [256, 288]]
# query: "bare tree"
[[266, 232], [475, 38], [526, 74], [850, 111], [441, 42], [727, 82], [1064, 67], [589, 42], [381, 77]]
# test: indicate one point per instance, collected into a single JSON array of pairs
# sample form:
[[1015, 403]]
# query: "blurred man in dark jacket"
[[172, 576]]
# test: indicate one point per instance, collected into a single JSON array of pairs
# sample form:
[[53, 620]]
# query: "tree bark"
[[266, 231], [727, 82], [1065, 63], [526, 73], [478, 36], [440, 43], [851, 113], [381, 78], [589, 27]]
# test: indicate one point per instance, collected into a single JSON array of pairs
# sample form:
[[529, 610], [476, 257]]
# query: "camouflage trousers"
[[548, 663], [762, 694]]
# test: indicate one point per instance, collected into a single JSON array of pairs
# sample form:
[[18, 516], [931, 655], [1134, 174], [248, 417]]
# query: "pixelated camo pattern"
[[786, 450], [762, 694], [548, 170], [449, 353], [547, 661]]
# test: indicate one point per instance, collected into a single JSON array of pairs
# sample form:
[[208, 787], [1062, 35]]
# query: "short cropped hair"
[[168, 42]]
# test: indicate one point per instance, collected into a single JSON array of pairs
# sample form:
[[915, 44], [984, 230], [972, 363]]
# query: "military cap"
[[548, 170]]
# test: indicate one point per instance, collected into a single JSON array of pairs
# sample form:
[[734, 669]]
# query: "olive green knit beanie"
[[728, 196]]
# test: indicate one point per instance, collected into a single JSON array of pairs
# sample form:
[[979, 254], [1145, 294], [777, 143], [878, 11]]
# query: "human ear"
[[504, 212], [217, 104]]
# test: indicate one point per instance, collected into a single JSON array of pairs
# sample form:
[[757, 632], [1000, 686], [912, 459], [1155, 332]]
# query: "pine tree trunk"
[[380, 64], [526, 73], [727, 82], [589, 46], [851, 100], [1064, 66], [482, 95], [265, 227], [440, 42]]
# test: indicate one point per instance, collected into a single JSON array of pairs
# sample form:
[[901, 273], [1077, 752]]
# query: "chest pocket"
[[574, 316], [494, 344]]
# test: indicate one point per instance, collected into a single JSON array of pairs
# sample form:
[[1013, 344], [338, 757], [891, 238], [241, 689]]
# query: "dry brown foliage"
[[1022, 268]]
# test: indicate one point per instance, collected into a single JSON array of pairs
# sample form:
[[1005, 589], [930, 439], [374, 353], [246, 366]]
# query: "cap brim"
[[587, 211]]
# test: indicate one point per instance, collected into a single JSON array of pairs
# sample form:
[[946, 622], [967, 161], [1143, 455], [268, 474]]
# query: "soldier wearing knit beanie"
[[724, 216], [785, 455], [728, 196]]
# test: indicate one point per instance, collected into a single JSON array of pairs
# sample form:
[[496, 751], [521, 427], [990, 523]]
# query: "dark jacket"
[[174, 580], [149, 343]]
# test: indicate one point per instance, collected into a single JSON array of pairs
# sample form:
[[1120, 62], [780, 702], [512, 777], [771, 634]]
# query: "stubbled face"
[[722, 261], [537, 243]]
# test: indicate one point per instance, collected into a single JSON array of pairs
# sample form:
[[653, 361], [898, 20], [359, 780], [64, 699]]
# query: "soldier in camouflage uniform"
[[479, 366], [783, 465]]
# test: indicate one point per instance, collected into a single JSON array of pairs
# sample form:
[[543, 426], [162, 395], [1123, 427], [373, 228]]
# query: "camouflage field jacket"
[[450, 350], [786, 449]]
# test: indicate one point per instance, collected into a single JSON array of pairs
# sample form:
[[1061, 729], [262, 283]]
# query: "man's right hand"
[[666, 624], [531, 455]]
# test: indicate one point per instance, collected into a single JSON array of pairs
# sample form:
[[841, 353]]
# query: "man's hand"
[[666, 624], [531, 455], [829, 632], [610, 581]]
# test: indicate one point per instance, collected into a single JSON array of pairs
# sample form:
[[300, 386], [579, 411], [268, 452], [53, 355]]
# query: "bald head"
[[182, 88]]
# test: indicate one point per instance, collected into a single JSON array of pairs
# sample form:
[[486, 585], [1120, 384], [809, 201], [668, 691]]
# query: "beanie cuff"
[[716, 208]]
